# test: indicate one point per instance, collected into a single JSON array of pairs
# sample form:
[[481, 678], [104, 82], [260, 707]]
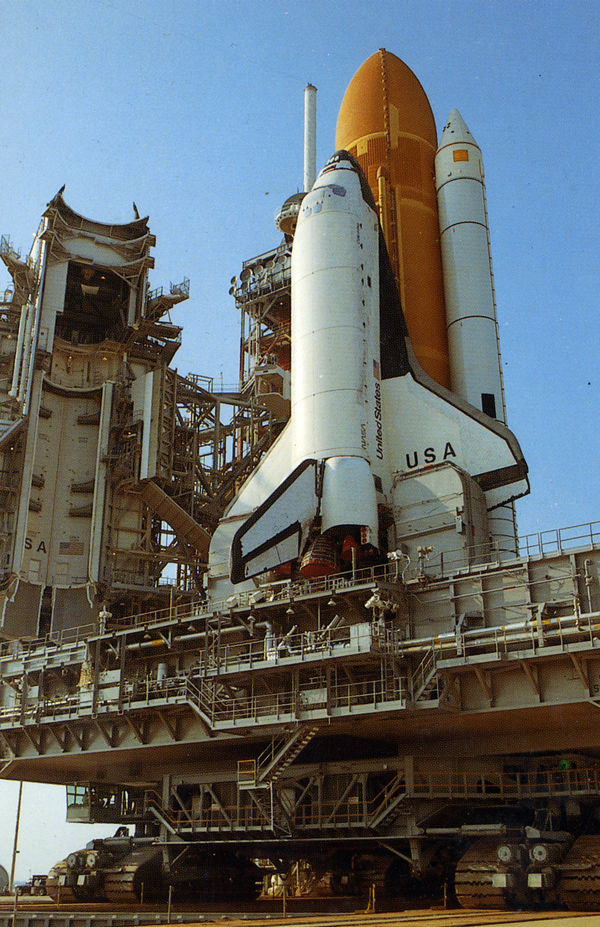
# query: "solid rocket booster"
[[473, 343], [468, 282], [386, 123]]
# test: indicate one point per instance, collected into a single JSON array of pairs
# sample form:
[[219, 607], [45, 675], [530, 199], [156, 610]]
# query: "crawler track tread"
[[473, 884], [59, 893], [580, 887], [136, 874]]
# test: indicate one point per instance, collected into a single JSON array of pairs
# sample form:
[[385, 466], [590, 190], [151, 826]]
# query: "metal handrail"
[[558, 540], [291, 705], [530, 545], [357, 811]]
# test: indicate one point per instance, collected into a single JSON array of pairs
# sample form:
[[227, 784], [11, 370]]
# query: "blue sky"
[[193, 109]]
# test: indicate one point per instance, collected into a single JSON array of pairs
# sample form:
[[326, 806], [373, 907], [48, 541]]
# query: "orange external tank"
[[386, 122]]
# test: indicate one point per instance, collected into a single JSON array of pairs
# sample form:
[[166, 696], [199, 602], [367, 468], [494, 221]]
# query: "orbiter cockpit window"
[[96, 305]]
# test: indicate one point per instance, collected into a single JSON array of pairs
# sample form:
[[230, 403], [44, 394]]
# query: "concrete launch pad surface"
[[433, 919], [38, 914]]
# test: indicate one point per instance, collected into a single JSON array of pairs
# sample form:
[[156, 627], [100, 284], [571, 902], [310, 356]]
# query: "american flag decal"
[[70, 548]]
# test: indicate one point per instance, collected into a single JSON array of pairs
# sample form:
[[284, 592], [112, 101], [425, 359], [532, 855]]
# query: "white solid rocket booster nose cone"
[[456, 128]]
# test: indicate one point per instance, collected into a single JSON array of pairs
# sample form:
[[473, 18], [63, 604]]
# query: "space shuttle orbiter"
[[362, 409]]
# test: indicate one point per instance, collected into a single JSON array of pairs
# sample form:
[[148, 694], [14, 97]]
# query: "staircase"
[[270, 765], [387, 805], [425, 680], [202, 700]]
